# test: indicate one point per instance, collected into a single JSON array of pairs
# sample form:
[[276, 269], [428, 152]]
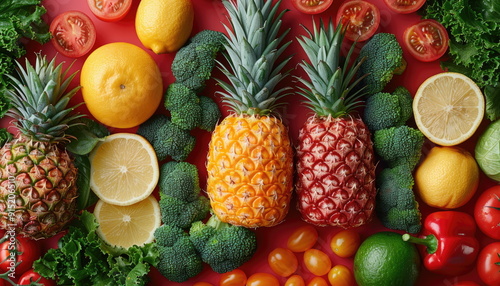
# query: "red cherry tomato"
[[110, 10], [318, 281], [466, 283], [404, 6], [488, 264], [282, 261], [31, 276], [312, 6], [302, 239], [340, 275], [426, 40], [345, 243], [487, 212], [295, 280], [360, 19], [317, 262], [73, 34], [27, 251], [233, 278], [262, 279]]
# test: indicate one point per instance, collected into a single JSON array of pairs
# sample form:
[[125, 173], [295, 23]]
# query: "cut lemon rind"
[[124, 169], [126, 226], [448, 108]]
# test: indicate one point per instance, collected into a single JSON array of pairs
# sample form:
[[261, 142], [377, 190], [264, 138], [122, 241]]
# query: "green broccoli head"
[[184, 106], [178, 260], [210, 115], [399, 145], [182, 214], [384, 58], [149, 130], [179, 180], [396, 205], [175, 142], [223, 246], [213, 39], [384, 110]]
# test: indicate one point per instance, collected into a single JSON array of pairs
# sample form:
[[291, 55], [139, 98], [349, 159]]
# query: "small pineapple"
[[250, 161], [335, 160], [38, 177]]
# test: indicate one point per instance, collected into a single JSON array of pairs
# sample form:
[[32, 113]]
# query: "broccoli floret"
[[384, 110], [179, 180], [396, 205], [213, 39], [210, 113], [178, 260], [384, 58], [181, 213], [184, 106], [399, 145], [223, 246], [167, 138]]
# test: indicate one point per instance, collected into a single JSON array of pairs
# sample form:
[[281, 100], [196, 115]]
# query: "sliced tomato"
[[426, 40], [360, 19], [73, 34], [404, 6], [110, 10], [312, 6]]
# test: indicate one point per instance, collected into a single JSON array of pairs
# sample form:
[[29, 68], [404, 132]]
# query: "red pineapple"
[[335, 160]]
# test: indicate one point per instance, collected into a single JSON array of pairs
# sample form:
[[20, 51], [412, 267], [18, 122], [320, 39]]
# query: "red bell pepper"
[[447, 242]]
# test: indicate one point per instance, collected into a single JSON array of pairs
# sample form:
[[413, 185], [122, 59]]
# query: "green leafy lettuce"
[[474, 30], [84, 259]]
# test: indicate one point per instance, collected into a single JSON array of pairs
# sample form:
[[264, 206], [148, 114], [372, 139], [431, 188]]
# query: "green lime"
[[384, 259]]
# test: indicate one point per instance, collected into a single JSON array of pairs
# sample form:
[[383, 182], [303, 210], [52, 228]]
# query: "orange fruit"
[[448, 108], [163, 26], [447, 178], [121, 85]]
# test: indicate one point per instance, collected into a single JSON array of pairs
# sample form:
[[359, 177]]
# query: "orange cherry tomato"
[[203, 284], [340, 275], [295, 280], [318, 281], [302, 239], [317, 262], [262, 279], [345, 243], [233, 278], [282, 261]]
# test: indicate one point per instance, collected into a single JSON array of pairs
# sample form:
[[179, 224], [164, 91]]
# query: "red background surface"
[[210, 14]]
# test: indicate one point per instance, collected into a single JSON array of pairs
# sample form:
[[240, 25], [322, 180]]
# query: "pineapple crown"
[[332, 78], [39, 100], [252, 52]]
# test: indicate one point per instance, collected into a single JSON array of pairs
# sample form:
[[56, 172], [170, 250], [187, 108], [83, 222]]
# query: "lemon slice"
[[124, 169], [448, 108], [125, 226]]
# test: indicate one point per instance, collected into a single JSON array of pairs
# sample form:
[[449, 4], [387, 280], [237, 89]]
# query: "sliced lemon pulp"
[[448, 108], [125, 226], [124, 169]]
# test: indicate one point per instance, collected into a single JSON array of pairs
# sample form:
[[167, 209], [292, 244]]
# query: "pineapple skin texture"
[[43, 179], [335, 172], [250, 171]]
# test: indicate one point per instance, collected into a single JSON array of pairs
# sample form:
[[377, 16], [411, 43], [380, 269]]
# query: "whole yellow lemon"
[[447, 178], [164, 25], [121, 85]]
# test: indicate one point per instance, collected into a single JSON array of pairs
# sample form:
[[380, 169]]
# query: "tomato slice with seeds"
[[312, 6], [404, 6], [73, 34], [426, 40], [110, 10], [360, 19]]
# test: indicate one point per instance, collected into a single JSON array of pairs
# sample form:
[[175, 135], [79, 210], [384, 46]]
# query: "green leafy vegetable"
[[83, 259], [86, 133], [86, 197], [487, 151]]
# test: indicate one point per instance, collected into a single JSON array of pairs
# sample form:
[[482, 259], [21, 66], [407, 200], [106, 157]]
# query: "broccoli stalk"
[[223, 246], [178, 260], [384, 58]]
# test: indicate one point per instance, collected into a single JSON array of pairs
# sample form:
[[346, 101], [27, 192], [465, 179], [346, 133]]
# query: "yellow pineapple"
[[250, 161]]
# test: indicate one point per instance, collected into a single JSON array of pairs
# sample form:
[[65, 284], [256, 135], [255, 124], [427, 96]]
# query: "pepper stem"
[[430, 241]]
